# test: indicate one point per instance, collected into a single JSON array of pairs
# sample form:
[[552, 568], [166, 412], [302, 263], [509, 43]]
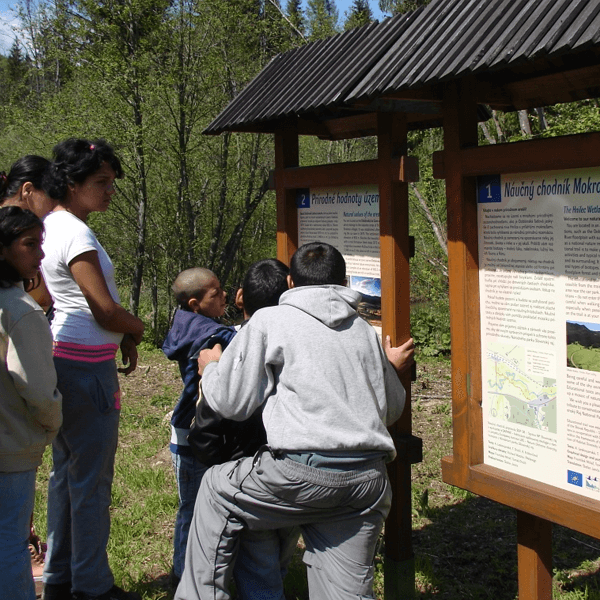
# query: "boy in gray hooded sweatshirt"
[[330, 391]]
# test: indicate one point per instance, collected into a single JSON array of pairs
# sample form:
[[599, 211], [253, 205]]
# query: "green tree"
[[296, 18], [360, 14], [395, 7], [322, 19]]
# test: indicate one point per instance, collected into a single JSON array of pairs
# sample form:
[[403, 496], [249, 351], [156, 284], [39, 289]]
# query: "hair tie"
[[92, 147], [3, 177]]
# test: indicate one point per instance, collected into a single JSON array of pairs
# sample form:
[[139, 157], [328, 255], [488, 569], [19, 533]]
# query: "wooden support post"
[[460, 131], [399, 567], [534, 538], [287, 154]]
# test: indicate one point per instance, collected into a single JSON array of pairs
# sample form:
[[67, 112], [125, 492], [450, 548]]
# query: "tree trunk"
[[140, 250]]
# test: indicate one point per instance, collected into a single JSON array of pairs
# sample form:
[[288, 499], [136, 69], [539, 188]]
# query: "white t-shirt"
[[67, 237]]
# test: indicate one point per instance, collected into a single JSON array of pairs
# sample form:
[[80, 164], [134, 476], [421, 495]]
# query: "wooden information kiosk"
[[564, 161], [523, 239]]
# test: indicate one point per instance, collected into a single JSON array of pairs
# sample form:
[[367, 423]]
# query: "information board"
[[347, 217], [539, 258]]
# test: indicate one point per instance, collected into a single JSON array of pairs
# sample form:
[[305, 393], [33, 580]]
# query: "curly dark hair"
[[74, 160]]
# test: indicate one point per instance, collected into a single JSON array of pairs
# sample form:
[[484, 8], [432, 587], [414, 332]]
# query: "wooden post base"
[[399, 579], [534, 538]]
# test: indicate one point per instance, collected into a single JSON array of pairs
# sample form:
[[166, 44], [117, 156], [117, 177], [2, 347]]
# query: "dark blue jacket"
[[190, 333]]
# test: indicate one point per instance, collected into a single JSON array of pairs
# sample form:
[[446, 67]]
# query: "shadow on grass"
[[468, 550]]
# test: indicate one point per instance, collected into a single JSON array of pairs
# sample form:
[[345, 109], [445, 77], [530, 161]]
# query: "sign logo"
[[575, 478]]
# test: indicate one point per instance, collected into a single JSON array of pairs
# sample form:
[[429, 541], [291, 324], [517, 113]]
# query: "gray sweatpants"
[[340, 513]]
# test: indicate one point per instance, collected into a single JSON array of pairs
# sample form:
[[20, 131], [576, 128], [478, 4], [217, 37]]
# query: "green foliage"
[[401, 6], [322, 19], [295, 14], [574, 117], [360, 14], [430, 328]]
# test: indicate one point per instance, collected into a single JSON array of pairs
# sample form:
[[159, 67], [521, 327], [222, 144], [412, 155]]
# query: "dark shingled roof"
[[348, 73]]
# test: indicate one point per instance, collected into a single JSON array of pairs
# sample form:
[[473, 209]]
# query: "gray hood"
[[330, 304]]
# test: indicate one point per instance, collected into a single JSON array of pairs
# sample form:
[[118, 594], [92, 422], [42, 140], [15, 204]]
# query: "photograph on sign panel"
[[583, 345]]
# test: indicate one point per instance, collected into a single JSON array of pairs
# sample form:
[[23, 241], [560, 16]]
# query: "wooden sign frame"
[[537, 504]]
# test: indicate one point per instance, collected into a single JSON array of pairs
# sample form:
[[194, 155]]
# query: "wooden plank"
[[567, 152], [566, 86], [403, 168], [395, 317], [287, 154], [460, 130], [355, 126], [534, 556], [356, 173]]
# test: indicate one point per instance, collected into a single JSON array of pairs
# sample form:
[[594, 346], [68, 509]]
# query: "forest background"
[[149, 75]]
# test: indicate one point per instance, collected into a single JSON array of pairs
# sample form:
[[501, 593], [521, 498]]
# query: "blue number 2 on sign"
[[302, 198], [488, 189]]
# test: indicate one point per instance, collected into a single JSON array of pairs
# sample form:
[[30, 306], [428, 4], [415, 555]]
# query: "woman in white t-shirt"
[[88, 327]]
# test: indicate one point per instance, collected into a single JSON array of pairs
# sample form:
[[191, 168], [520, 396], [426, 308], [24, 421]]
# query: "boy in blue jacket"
[[201, 301]]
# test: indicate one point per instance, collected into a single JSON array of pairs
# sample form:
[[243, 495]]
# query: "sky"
[[7, 19]]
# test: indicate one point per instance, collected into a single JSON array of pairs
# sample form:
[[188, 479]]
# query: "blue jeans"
[[188, 473], [262, 561], [79, 491], [17, 492]]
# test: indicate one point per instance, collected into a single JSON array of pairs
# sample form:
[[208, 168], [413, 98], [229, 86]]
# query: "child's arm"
[[400, 358], [241, 380], [29, 363], [209, 355]]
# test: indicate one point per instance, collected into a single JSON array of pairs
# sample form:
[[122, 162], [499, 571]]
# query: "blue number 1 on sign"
[[488, 189], [302, 198]]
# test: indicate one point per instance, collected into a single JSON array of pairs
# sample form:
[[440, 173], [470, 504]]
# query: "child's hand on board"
[[402, 357]]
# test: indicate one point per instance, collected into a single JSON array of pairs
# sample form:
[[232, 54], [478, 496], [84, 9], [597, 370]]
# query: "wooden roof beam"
[[566, 86]]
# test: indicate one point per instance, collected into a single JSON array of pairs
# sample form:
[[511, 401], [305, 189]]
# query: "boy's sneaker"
[[115, 593], [57, 591]]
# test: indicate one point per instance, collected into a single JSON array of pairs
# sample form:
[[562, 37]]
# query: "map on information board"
[[517, 394]]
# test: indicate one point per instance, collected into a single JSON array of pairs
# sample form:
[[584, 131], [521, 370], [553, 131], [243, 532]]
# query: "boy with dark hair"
[[201, 301], [328, 391], [263, 285]]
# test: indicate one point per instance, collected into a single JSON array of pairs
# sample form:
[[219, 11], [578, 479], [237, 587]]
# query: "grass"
[[581, 357], [465, 546]]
